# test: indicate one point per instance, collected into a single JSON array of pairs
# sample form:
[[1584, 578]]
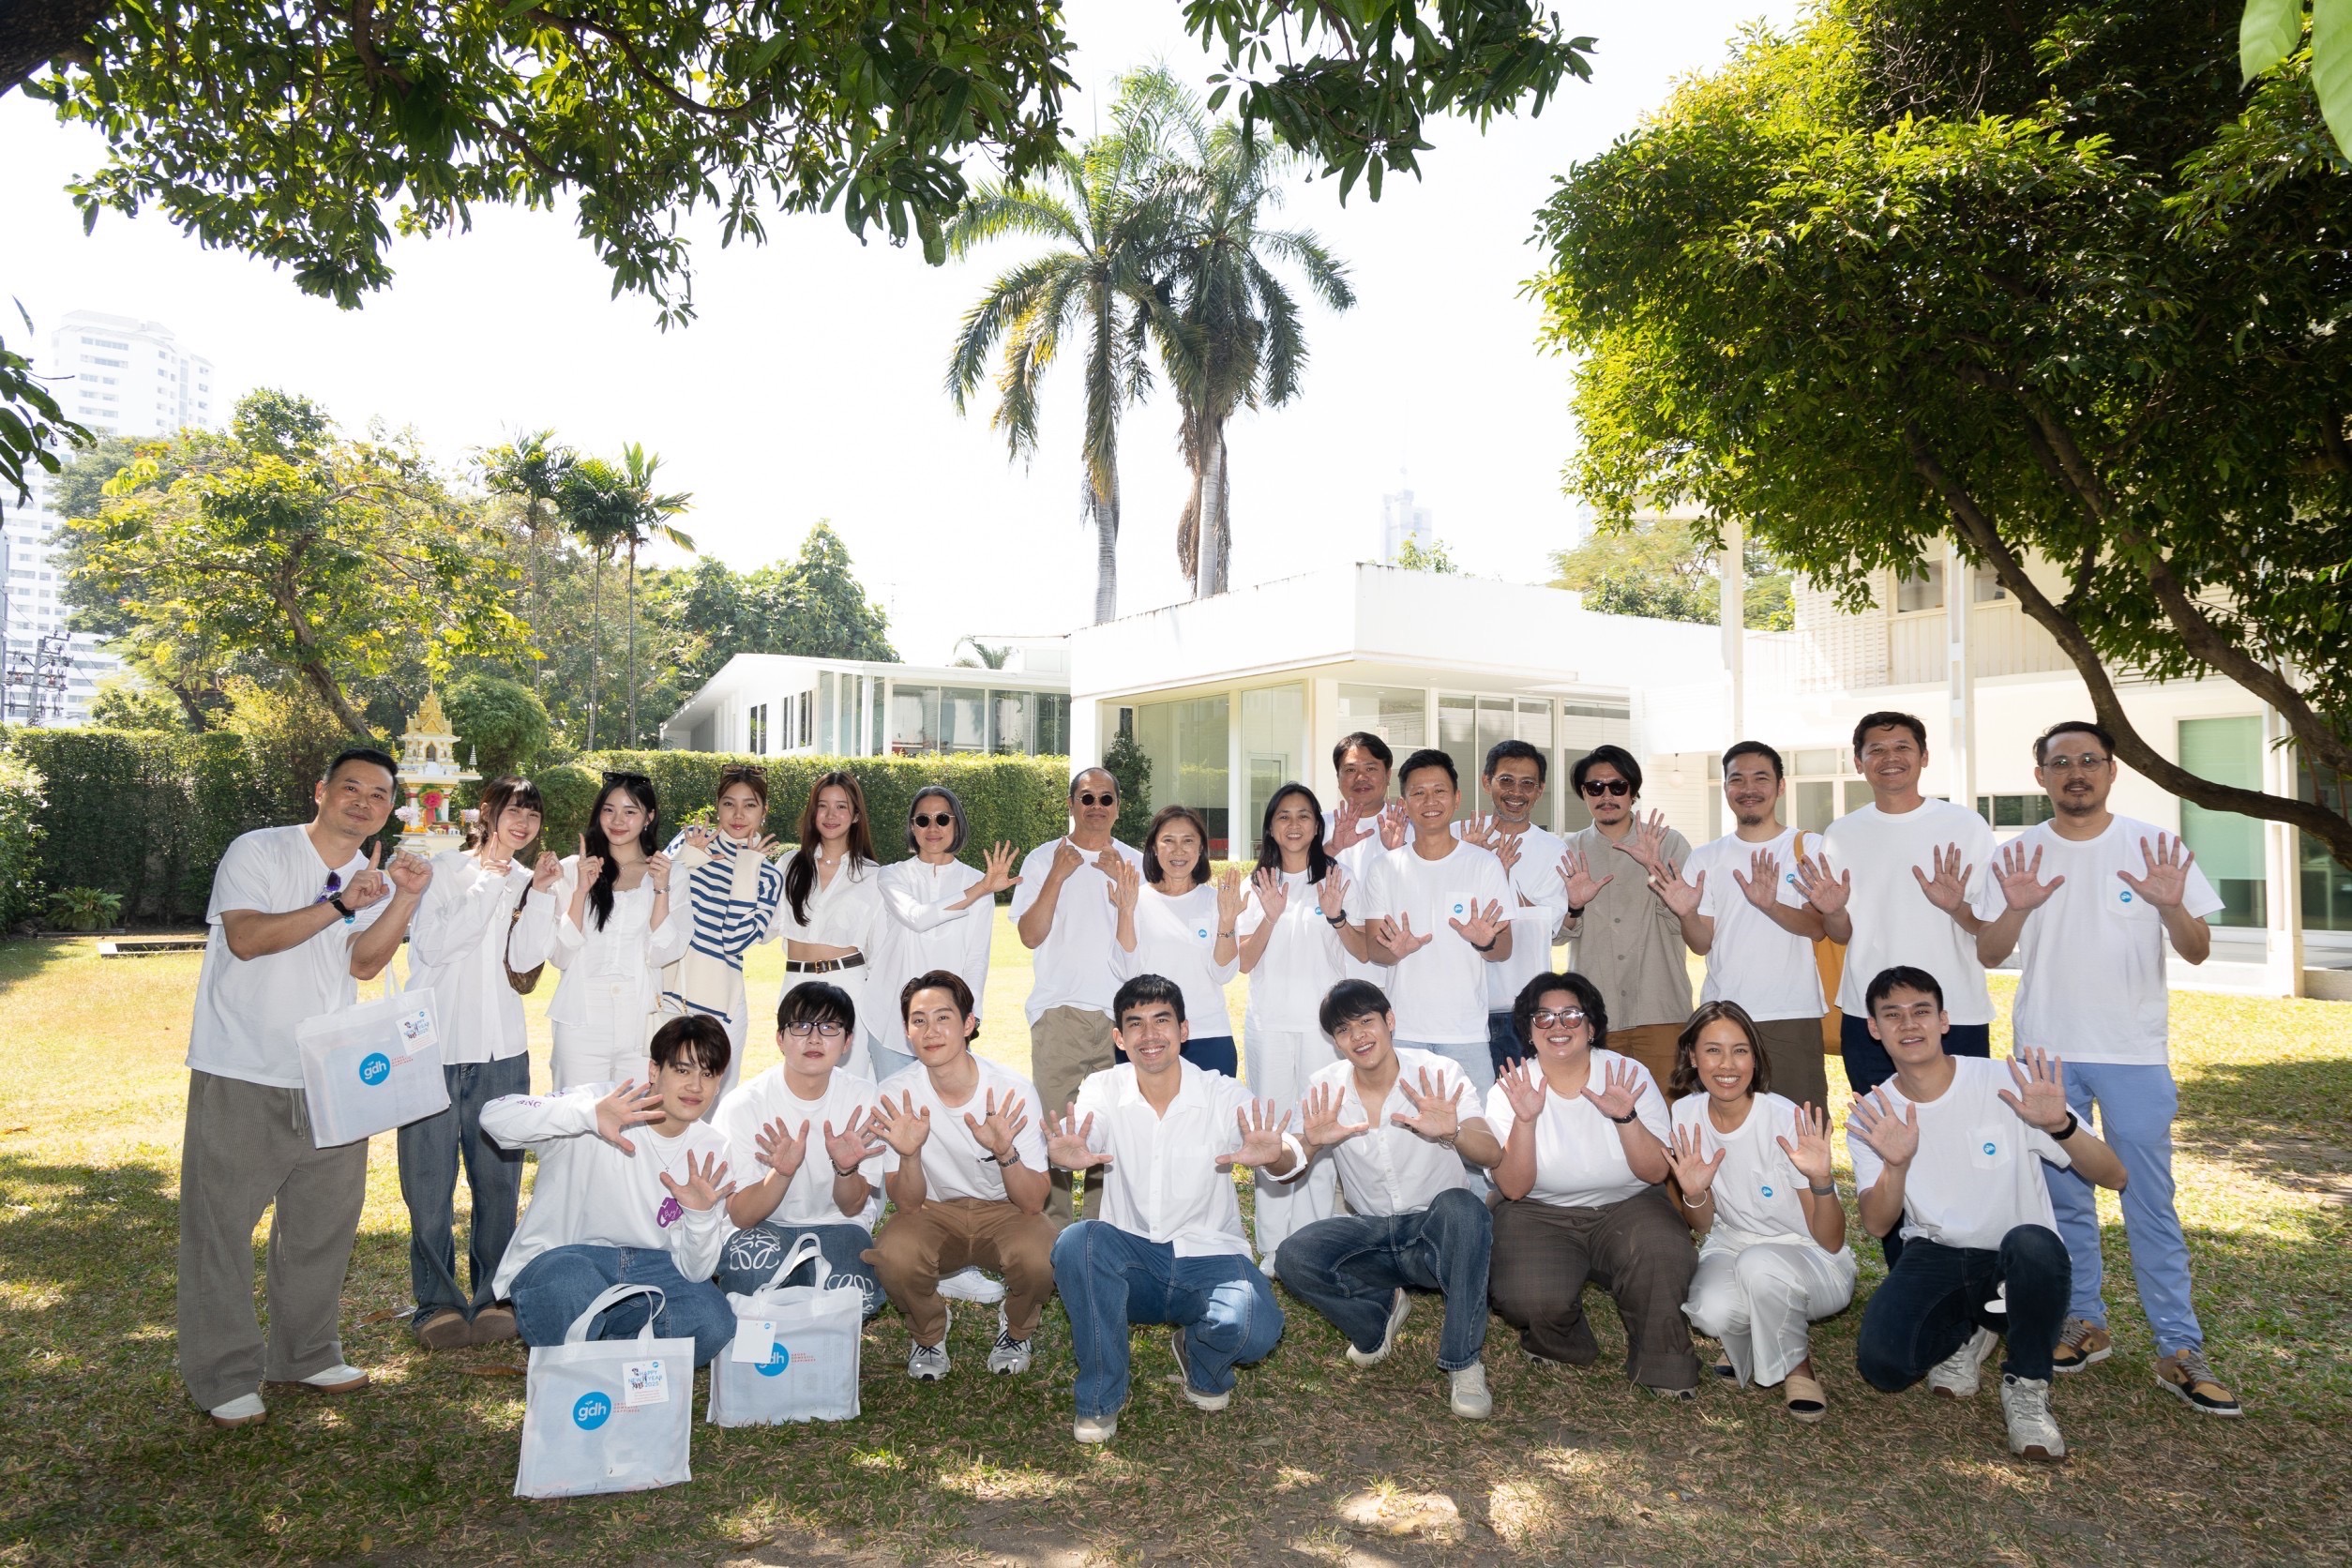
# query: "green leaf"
[[2332, 65], [2268, 34]]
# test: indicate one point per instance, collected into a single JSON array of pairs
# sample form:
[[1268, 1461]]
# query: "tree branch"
[[34, 33]]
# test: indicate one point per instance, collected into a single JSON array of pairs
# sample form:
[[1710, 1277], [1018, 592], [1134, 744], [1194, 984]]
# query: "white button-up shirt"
[[1392, 1169], [459, 948], [1163, 1183]]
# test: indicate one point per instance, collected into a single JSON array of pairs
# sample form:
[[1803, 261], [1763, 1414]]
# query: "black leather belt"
[[823, 966]]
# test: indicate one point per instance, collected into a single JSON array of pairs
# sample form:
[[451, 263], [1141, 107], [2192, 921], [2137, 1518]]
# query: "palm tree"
[[531, 470], [648, 519], [983, 655], [1108, 209], [595, 505]]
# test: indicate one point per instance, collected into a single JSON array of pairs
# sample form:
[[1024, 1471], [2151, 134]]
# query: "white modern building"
[[124, 376], [780, 704]]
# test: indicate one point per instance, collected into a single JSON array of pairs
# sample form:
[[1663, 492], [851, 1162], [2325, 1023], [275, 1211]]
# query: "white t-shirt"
[[1755, 961], [1535, 877], [808, 1199], [589, 1192], [1393, 1170], [1579, 1159], [2094, 989], [1074, 967], [247, 1009], [1893, 922], [1978, 1172], [1163, 1183], [1303, 958], [953, 1164], [1440, 991], [1176, 939], [1755, 1187]]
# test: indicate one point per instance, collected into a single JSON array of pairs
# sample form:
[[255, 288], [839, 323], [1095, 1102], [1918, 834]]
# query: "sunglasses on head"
[[1105, 798], [923, 819], [1605, 787], [626, 779]]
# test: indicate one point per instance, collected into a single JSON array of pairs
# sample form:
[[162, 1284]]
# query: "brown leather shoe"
[[443, 1329], [493, 1324]]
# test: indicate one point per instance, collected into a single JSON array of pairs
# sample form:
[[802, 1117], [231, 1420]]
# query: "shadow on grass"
[[2287, 1121]]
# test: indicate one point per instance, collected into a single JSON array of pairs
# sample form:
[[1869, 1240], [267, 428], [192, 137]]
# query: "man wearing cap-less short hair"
[[1619, 936]]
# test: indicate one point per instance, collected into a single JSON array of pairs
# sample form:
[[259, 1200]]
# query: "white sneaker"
[[2033, 1432], [338, 1379], [1472, 1400], [1008, 1357], [244, 1411], [971, 1285], [1095, 1428], [928, 1363], [1212, 1402], [1397, 1310], [1955, 1377]]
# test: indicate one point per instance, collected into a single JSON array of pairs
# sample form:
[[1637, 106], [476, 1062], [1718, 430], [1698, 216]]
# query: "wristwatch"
[[335, 900], [1337, 920]]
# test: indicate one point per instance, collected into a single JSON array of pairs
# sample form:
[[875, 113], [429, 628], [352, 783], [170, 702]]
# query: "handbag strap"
[[801, 1252], [577, 1333]]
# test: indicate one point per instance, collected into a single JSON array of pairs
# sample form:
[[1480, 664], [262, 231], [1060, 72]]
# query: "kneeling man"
[[1951, 1149], [1416, 1220], [964, 1160], [1168, 1247], [631, 1190]]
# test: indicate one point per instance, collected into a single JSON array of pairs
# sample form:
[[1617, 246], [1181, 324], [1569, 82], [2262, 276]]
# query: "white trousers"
[[1758, 1297], [595, 1053], [1278, 1063]]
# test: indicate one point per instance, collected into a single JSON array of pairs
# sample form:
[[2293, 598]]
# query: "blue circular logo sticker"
[[374, 1068], [1768, 1189], [1992, 1148], [1457, 909], [778, 1359], [591, 1411], [2125, 895], [1202, 933]]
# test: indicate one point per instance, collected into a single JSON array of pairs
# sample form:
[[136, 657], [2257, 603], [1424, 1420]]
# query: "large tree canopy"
[[2035, 274]]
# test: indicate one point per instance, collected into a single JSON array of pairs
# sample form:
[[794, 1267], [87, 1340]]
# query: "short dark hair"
[[1370, 742], [1427, 757], [375, 756], [698, 1033], [1144, 989], [1503, 751], [2072, 726], [1587, 995], [1908, 977], [935, 980], [1889, 720], [1754, 748], [1152, 872], [1348, 1001], [1684, 1080], [955, 810], [1616, 757], [817, 1001]]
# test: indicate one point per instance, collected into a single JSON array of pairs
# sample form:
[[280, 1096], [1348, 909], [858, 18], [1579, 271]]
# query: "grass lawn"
[[102, 1459]]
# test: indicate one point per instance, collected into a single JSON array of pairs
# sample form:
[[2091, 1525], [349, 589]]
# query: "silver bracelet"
[[1704, 1199]]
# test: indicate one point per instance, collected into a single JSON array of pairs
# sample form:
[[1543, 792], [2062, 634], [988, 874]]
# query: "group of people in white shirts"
[[1429, 1104]]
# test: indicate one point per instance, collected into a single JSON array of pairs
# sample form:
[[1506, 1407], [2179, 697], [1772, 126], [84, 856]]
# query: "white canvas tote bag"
[[371, 1068], [795, 1353], [607, 1415]]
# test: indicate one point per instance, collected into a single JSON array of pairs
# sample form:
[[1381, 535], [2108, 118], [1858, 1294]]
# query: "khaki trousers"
[[918, 1248], [1650, 1044], [1065, 1044], [1792, 1048]]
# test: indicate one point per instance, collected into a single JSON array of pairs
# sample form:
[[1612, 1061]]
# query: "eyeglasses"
[[1549, 1017], [1092, 799], [1605, 787], [821, 1031], [923, 818], [2089, 761]]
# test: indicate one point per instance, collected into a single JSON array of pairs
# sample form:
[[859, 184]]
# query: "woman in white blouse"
[[1584, 1136], [613, 936], [941, 915], [481, 933], [1295, 943], [1752, 1174], [1175, 923], [833, 913]]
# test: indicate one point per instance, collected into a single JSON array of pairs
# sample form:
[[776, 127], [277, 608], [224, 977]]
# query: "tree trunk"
[[1208, 579], [35, 32], [537, 543], [1106, 553], [596, 637], [632, 643]]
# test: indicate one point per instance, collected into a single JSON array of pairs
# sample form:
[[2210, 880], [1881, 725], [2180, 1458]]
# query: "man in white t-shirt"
[[1434, 911], [1166, 1246], [963, 1151], [1737, 903], [1366, 825], [2092, 937], [802, 1129], [299, 917], [1514, 778], [1893, 882], [1950, 1150], [1061, 908], [1399, 1127]]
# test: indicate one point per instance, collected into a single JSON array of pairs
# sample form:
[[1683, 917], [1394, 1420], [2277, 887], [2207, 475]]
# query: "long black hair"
[[1270, 852], [799, 875], [640, 789]]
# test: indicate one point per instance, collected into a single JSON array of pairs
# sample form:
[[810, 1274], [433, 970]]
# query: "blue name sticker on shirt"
[[778, 1359], [1458, 907], [591, 1409], [1768, 1189], [2125, 895], [374, 1068], [1992, 1148], [1202, 933]]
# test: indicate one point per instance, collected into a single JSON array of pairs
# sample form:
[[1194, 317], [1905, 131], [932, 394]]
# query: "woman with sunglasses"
[[833, 912], [731, 891], [614, 934], [1175, 921], [941, 915], [1585, 1136]]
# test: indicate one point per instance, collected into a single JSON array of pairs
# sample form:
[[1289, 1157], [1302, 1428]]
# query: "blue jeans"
[[1212, 1053], [430, 1150], [1349, 1267], [1934, 1299], [2135, 1106], [1112, 1278], [887, 1059], [1475, 1059], [751, 1257], [556, 1287], [1503, 1044]]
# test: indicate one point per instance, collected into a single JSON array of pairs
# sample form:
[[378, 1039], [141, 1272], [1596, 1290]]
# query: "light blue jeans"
[[1477, 1061], [2135, 1106]]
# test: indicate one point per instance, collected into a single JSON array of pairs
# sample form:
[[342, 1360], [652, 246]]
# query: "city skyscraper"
[[1400, 520]]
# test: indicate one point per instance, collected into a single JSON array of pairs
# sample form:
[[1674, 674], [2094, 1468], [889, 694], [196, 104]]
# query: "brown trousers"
[[916, 1249], [1650, 1044], [1792, 1049], [1639, 1251], [1065, 1044]]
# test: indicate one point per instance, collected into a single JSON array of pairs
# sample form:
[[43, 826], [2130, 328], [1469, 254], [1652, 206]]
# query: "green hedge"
[[21, 803]]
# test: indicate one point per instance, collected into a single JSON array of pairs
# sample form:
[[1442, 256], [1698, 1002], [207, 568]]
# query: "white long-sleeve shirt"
[[1163, 1183], [611, 970], [921, 933], [1303, 957], [464, 936], [1176, 939], [588, 1192]]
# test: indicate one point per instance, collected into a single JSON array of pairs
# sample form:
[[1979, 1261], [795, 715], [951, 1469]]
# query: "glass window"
[[1009, 723], [1398, 714], [1857, 794], [963, 719], [913, 720], [1457, 737], [2014, 810], [825, 712], [1988, 587], [2327, 886], [2227, 845], [1820, 760], [808, 705], [1535, 727], [1924, 591], [1274, 726], [1186, 742], [877, 742], [1816, 803], [1598, 710], [1053, 724]]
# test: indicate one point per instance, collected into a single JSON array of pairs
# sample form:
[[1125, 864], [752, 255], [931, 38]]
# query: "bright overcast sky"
[[810, 385]]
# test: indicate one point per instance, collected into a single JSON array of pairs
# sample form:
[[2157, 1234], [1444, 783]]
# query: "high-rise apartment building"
[[127, 377], [1400, 520]]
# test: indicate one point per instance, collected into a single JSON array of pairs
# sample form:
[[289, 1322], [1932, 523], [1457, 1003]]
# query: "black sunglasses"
[[924, 820], [626, 779], [1092, 799], [1605, 787]]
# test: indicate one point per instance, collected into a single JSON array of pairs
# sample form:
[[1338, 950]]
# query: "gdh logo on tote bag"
[[795, 1351], [607, 1415]]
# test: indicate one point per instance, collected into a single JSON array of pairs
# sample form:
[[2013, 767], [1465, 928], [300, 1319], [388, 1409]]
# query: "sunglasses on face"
[[1105, 799], [926, 819], [1549, 1017], [1597, 787]]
